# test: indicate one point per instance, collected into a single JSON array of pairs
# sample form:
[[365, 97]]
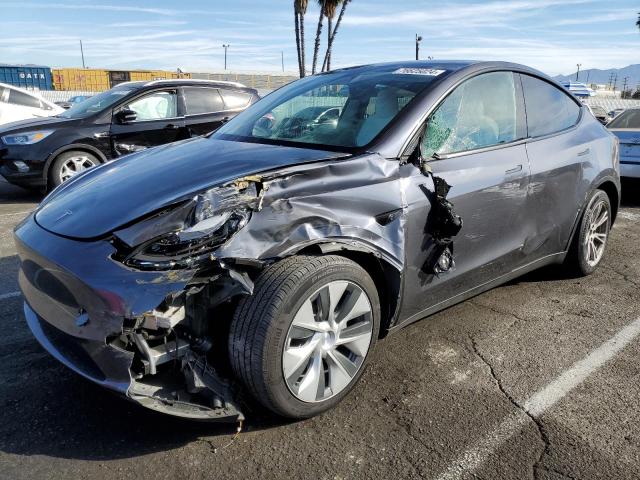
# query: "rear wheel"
[[301, 341], [591, 238], [69, 164]]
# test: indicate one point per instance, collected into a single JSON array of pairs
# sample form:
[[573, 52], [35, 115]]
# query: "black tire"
[[261, 322], [59, 162], [576, 262]]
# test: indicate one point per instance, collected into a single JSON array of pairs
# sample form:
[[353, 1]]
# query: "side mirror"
[[126, 116]]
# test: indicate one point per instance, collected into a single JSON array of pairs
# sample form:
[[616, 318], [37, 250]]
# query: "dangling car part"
[[268, 258]]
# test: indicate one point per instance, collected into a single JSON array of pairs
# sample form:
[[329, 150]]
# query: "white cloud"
[[476, 13]]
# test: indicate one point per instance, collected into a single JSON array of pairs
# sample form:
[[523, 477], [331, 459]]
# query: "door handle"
[[515, 169], [172, 126], [586, 151]]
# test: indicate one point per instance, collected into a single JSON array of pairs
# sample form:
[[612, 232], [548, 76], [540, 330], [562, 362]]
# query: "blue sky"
[[552, 35]]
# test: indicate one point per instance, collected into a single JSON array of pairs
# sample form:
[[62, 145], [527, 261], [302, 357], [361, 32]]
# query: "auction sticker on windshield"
[[432, 72]]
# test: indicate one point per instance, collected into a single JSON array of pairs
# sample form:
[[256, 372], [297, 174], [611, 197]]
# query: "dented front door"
[[489, 191], [473, 140]]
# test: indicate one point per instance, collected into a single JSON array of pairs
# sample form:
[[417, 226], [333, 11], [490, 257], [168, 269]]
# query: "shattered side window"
[[479, 113]]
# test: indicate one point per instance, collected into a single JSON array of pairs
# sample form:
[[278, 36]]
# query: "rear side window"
[[480, 113], [549, 109], [202, 100], [22, 99], [233, 100]]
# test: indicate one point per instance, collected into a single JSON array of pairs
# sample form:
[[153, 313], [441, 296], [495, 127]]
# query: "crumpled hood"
[[117, 193]]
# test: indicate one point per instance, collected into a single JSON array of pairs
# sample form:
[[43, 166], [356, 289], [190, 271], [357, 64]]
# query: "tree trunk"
[[297, 27], [316, 47], [303, 60], [327, 58]]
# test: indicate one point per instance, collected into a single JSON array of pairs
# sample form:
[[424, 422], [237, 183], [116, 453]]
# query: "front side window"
[[155, 106], [202, 100], [342, 110], [482, 112], [627, 119], [22, 99], [549, 109]]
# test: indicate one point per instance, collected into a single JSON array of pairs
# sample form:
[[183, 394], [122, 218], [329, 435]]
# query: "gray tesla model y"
[[267, 259]]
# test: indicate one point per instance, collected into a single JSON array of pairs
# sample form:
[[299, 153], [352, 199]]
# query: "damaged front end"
[[145, 309], [136, 312]]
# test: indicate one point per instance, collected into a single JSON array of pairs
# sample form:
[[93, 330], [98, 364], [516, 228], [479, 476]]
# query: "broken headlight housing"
[[185, 235]]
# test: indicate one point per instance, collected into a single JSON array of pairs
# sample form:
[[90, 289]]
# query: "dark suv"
[[130, 117]]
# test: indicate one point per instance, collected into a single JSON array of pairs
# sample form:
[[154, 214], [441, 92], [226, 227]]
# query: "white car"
[[18, 104]]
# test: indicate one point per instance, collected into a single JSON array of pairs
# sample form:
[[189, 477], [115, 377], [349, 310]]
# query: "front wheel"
[[69, 164], [592, 235], [301, 341]]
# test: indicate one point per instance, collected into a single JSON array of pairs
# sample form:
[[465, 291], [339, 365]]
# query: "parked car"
[[626, 127], [615, 112], [72, 101], [18, 104], [128, 118], [600, 113], [267, 261]]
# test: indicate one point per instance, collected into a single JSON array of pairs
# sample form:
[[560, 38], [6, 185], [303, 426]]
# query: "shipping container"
[[30, 77], [148, 75], [86, 79], [96, 80]]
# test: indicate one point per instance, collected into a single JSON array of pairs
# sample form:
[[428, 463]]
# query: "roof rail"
[[176, 80]]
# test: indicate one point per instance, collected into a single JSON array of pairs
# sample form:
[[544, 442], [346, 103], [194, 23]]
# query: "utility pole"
[[615, 82], [624, 87], [82, 54], [418, 40], [282, 57], [578, 71], [588, 75], [225, 46], [610, 83]]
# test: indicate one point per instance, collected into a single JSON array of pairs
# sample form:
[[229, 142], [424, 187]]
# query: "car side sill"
[[541, 262]]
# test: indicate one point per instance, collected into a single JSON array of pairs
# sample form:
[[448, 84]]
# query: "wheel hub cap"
[[327, 341], [75, 165]]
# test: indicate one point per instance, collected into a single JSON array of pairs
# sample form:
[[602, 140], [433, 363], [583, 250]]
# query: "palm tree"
[[326, 65], [330, 7], [316, 47], [300, 8]]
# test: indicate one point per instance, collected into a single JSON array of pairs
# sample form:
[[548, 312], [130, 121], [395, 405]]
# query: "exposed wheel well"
[[384, 275], [614, 197]]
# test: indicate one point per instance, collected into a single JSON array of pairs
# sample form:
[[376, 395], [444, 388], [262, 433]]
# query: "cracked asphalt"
[[466, 393]]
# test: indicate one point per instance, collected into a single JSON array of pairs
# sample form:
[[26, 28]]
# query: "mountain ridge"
[[596, 75]]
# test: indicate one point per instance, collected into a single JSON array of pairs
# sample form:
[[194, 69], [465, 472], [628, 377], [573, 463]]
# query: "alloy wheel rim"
[[596, 237], [327, 341], [75, 165]]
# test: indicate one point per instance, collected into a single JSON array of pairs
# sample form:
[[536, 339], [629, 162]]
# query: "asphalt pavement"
[[538, 379]]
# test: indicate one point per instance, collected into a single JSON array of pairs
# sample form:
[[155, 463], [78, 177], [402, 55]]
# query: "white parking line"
[[4, 296], [541, 401]]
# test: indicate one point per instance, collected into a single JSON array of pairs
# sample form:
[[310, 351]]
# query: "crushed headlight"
[[185, 235], [26, 138]]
